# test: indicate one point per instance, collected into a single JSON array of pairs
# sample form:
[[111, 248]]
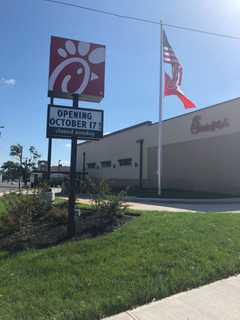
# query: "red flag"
[[171, 89], [172, 84]]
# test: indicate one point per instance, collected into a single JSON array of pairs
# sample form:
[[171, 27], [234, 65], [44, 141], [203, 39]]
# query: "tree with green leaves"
[[16, 150], [10, 170], [26, 163]]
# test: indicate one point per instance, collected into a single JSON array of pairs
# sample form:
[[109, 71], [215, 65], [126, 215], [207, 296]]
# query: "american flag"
[[168, 53], [172, 84], [170, 57]]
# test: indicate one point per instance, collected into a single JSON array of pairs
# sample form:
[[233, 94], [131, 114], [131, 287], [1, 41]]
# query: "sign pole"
[[72, 196], [74, 123], [84, 166], [49, 158], [49, 151]]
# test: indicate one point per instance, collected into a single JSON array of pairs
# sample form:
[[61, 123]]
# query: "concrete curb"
[[217, 300]]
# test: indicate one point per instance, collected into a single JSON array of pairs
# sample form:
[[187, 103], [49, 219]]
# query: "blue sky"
[[211, 64]]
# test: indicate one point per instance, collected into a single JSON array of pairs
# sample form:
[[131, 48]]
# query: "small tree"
[[34, 154], [26, 164], [16, 150], [10, 170]]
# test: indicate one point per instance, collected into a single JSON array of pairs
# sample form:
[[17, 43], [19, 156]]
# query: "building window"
[[91, 165], [125, 162], [106, 164]]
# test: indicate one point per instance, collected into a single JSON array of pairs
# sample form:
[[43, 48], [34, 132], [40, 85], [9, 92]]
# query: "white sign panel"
[[68, 122]]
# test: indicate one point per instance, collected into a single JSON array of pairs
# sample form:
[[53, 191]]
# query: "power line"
[[63, 3], [202, 31], [102, 12]]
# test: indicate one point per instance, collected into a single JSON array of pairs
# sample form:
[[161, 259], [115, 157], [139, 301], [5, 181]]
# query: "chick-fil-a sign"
[[198, 127], [76, 68]]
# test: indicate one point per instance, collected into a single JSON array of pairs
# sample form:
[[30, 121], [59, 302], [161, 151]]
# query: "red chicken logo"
[[76, 67]]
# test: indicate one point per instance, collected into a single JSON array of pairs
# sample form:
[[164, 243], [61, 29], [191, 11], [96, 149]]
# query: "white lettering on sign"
[[75, 118], [198, 127]]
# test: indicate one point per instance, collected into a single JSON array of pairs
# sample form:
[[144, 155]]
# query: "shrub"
[[109, 204], [88, 185], [22, 211], [58, 215], [44, 186]]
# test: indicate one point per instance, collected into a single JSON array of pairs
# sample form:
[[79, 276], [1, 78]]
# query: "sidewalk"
[[146, 205], [217, 301], [186, 200]]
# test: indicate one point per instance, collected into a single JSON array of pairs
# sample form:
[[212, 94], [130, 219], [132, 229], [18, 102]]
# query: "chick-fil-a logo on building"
[[198, 127], [76, 67]]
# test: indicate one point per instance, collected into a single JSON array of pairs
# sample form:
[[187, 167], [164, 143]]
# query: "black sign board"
[[80, 123]]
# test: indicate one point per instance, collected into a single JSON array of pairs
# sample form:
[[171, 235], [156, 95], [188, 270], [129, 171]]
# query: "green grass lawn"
[[153, 256]]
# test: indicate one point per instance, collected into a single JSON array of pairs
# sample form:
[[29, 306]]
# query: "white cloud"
[[7, 82]]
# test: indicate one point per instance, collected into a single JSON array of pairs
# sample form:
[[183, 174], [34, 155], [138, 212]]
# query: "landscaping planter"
[[96, 222]]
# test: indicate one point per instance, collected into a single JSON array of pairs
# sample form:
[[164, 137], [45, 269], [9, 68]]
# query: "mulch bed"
[[42, 234]]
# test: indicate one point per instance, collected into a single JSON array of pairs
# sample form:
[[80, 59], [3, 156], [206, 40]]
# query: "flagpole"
[[160, 113]]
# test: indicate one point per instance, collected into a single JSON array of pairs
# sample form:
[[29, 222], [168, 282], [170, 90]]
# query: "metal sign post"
[[73, 123], [84, 165], [49, 159], [72, 195], [49, 151]]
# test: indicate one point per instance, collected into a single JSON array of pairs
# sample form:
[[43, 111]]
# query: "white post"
[[160, 113]]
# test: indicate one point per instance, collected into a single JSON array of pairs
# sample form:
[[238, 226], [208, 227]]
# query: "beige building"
[[201, 152]]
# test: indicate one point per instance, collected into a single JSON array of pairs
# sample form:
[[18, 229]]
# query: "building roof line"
[[149, 123], [203, 109], [122, 130]]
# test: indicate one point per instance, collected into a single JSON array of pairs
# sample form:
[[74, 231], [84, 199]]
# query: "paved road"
[[5, 187], [217, 301]]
